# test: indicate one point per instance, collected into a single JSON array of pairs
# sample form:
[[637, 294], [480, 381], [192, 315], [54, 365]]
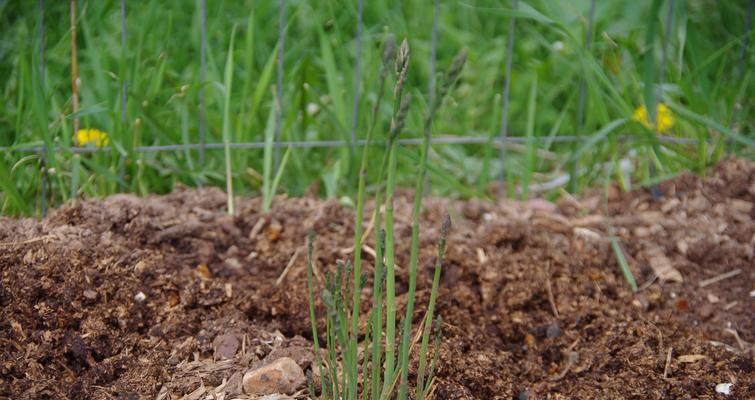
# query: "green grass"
[[161, 65]]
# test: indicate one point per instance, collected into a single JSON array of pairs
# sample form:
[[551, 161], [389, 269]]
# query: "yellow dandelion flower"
[[664, 119], [94, 136]]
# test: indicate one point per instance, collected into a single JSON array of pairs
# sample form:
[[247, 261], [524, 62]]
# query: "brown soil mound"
[[166, 296]]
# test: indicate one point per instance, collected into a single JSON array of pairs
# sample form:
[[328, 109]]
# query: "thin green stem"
[[448, 81], [431, 311], [390, 266], [312, 315]]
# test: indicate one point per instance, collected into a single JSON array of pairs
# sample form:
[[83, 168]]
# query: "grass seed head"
[[402, 61], [402, 68], [389, 52], [446, 226], [453, 73]]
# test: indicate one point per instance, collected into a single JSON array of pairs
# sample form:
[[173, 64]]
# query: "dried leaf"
[[662, 267]]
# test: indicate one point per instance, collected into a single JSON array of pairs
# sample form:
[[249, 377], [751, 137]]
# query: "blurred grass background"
[[707, 85]]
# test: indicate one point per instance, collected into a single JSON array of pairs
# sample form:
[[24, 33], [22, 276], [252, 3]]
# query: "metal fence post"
[[124, 132], [357, 74], [202, 69], [74, 73], [279, 83], [574, 167], [505, 111], [42, 83], [431, 78]]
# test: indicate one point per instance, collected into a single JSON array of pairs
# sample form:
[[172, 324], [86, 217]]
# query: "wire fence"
[[501, 141]]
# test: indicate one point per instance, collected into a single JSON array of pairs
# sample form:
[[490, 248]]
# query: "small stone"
[[713, 298], [233, 263], [682, 246], [523, 395], [553, 330], [140, 297], [724, 388], [273, 231], [641, 302], [90, 294], [225, 346], [281, 376]]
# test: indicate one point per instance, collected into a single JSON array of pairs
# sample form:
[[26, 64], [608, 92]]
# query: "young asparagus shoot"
[[400, 110], [342, 298], [421, 382], [446, 83], [312, 315]]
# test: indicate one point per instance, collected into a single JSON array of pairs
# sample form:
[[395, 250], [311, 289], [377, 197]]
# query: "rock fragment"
[[281, 376]]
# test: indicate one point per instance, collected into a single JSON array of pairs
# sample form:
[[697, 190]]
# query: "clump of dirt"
[[167, 296]]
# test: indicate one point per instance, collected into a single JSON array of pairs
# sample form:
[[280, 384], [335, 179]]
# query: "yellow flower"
[[664, 120], [95, 136]]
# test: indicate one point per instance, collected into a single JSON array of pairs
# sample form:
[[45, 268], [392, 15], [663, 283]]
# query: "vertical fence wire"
[[574, 167], [123, 50], [431, 78], [42, 158], [124, 86], [42, 42], [655, 191], [664, 52], [433, 54], [505, 111], [279, 83], [202, 69], [743, 56], [74, 73], [357, 74]]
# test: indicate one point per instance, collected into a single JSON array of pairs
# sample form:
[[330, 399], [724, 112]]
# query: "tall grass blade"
[[75, 175], [12, 195], [228, 88], [531, 142], [273, 187], [623, 264]]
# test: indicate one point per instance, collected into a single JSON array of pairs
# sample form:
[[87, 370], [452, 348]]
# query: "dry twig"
[[719, 278]]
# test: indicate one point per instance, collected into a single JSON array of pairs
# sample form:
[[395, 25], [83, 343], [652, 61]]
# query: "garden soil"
[[167, 297]]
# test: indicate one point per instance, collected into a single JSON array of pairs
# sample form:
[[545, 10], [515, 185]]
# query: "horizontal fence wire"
[[451, 140]]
